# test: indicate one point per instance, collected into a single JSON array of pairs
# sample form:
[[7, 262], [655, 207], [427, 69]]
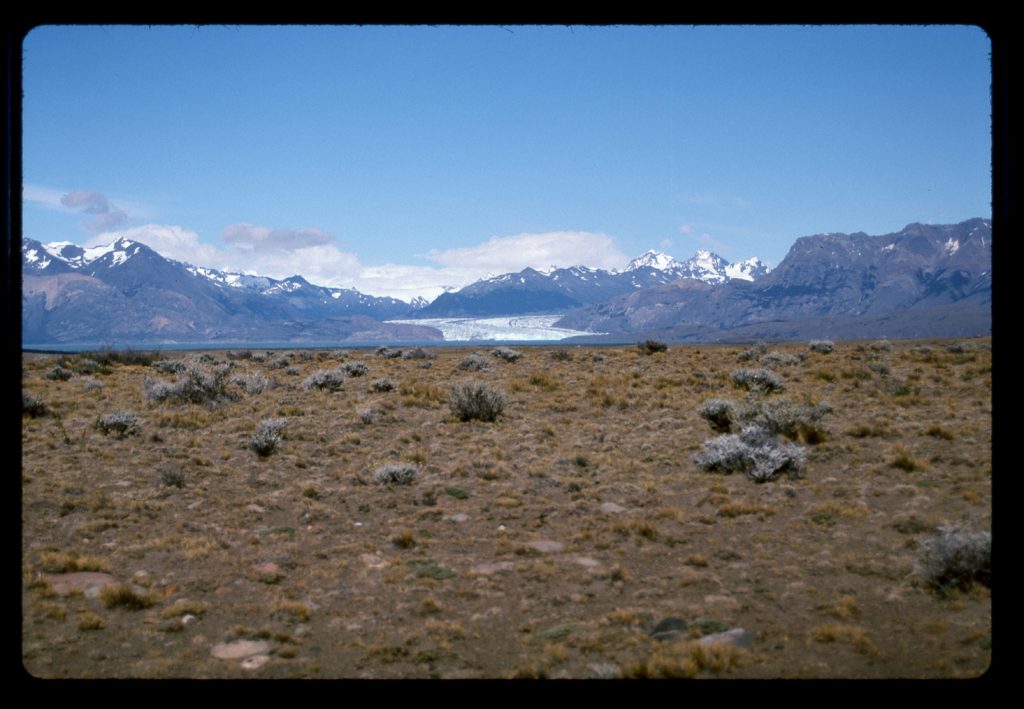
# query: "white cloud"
[[108, 216], [685, 229], [168, 240], [279, 253], [504, 254]]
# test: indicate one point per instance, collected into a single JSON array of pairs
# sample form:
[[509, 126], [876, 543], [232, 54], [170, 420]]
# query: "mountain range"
[[923, 281]]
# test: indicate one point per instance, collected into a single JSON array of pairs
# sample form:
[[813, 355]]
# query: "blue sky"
[[398, 160]]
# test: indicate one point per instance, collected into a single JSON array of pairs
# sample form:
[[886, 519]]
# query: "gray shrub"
[[267, 437], [32, 405], [119, 423], [385, 384], [474, 400], [781, 359], [396, 474], [59, 373], [355, 369], [169, 366], [821, 346], [195, 385], [253, 382], [721, 414], [474, 363], [758, 380], [418, 353], [329, 379], [956, 558], [754, 452], [506, 354]]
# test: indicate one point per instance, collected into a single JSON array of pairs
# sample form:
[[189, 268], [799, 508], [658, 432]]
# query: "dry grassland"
[[547, 543]]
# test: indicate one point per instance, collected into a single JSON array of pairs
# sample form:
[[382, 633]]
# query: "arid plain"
[[169, 538]]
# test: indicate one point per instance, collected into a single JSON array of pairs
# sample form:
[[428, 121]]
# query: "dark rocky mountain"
[[128, 292], [558, 290], [924, 281]]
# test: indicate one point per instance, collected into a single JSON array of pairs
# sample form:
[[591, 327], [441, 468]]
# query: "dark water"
[[70, 347]]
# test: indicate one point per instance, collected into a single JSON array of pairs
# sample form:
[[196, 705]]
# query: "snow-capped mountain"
[[923, 281], [561, 289], [127, 291]]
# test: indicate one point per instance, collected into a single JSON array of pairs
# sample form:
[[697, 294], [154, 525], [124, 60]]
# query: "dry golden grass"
[[504, 556]]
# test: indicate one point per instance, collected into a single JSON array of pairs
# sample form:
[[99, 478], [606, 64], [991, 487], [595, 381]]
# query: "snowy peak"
[[749, 270], [653, 259]]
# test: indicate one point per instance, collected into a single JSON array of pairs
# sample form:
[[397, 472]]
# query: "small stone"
[[458, 517], [494, 567], [737, 637], [88, 582], [187, 618], [604, 670], [238, 649], [373, 561], [587, 562], [669, 629], [546, 546], [255, 508], [722, 603], [255, 662], [611, 508]]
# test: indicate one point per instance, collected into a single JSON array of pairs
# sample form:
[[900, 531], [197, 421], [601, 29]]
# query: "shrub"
[[649, 347], [396, 474], [195, 386], [753, 451], [754, 352], [506, 354], [279, 363], [120, 423], [127, 356], [267, 436], [474, 363], [169, 366], [329, 379], [781, 359], [388, 353], [239, 354], [58, 373], [561, 355], [173, 478], [384, 384], [253, 383], [881, 346], [475, 400], [418, 353], [821, 346], [91, 383], [720, 413], [759, 380], [355, 369], [32, 405], [956, 558], [794, 421]]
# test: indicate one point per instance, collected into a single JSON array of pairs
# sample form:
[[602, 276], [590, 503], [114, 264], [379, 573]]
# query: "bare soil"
[[548, 543]]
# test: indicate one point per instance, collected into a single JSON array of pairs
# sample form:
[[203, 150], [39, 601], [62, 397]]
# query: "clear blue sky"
[[400, 159]]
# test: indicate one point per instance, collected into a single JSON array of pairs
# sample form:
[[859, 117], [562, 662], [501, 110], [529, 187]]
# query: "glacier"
[[512, 328]]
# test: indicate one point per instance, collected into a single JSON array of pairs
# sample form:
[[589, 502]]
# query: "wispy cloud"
[[501, 254], [249, 237], [713, 244], [107, 215]]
